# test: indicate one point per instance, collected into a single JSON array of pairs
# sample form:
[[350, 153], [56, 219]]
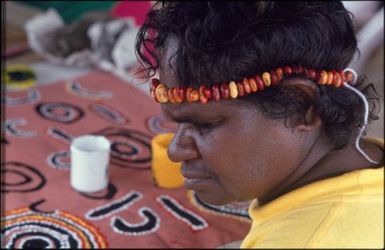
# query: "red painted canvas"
[[42, 210]]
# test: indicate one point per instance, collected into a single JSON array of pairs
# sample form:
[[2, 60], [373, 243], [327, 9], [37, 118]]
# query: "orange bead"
[[253, 84], [279, 72], [337, 79], [246, 86], [216, 92], [329, 81], [170, 95], [274, 78], [266, 79], [152, 91], [175, 93], [192, 95], [260, 84], [202, 96], [241, 90], [323, 77], [154, 83], [161, 93], [233, 89]]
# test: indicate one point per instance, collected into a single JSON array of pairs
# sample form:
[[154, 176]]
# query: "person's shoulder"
[[335, 213], [378, 141]]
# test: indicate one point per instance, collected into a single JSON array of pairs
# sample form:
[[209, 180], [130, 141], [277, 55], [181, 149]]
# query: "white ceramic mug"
[[89, 163]]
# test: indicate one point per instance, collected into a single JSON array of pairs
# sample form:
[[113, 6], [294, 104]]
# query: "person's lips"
[[194, 179]]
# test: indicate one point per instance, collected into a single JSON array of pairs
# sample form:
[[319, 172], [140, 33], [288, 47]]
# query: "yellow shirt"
[[340, 212]]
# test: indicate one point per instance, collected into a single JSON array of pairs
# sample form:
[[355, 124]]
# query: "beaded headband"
[[233, 89]]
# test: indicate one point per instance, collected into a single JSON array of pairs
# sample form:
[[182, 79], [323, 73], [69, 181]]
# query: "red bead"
[[342, 76], [202, 96], [336, 79], [225, 91], [246, 86], [216, 92], [208, 93], [202, 90], [287, 70], [312, 74], [260, 84], [279, 72], [306, 72], [349, 77], [241, 90], [182, 93], [297, 70], [274, 78], [154, 82], [317, 76]]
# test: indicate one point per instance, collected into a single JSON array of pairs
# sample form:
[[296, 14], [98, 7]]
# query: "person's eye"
[[205, 127]]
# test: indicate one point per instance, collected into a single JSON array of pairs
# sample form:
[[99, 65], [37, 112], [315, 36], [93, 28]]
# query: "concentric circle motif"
[[11, 128], [158, 124], [59, 112], [33, 95], [20, 177], [77, 89], [23, 228], [60, 160], [129, 148], [107, 113]]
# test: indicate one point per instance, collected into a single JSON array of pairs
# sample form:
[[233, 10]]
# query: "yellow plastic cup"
[[167, 174]]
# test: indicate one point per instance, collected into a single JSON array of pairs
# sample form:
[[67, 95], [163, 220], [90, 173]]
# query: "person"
[[267, 111]]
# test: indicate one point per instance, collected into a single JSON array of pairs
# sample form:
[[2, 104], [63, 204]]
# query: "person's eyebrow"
[[191, 118]]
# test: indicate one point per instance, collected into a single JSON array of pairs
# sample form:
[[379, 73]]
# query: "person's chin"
[[212, 198]]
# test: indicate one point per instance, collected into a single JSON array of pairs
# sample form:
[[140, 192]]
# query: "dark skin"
[[232, 152]]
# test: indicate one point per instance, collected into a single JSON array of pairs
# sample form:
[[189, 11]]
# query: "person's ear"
[[311, 120]]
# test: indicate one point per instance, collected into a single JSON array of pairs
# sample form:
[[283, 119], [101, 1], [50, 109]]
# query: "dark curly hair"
[[223, 41]]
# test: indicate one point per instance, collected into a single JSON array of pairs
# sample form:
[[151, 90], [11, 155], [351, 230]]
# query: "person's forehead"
[[200, 111], [187, 109]]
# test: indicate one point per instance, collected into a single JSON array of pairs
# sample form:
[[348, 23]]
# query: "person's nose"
[[183, 146]]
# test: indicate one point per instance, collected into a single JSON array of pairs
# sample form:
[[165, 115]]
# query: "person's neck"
[[324, 162]]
